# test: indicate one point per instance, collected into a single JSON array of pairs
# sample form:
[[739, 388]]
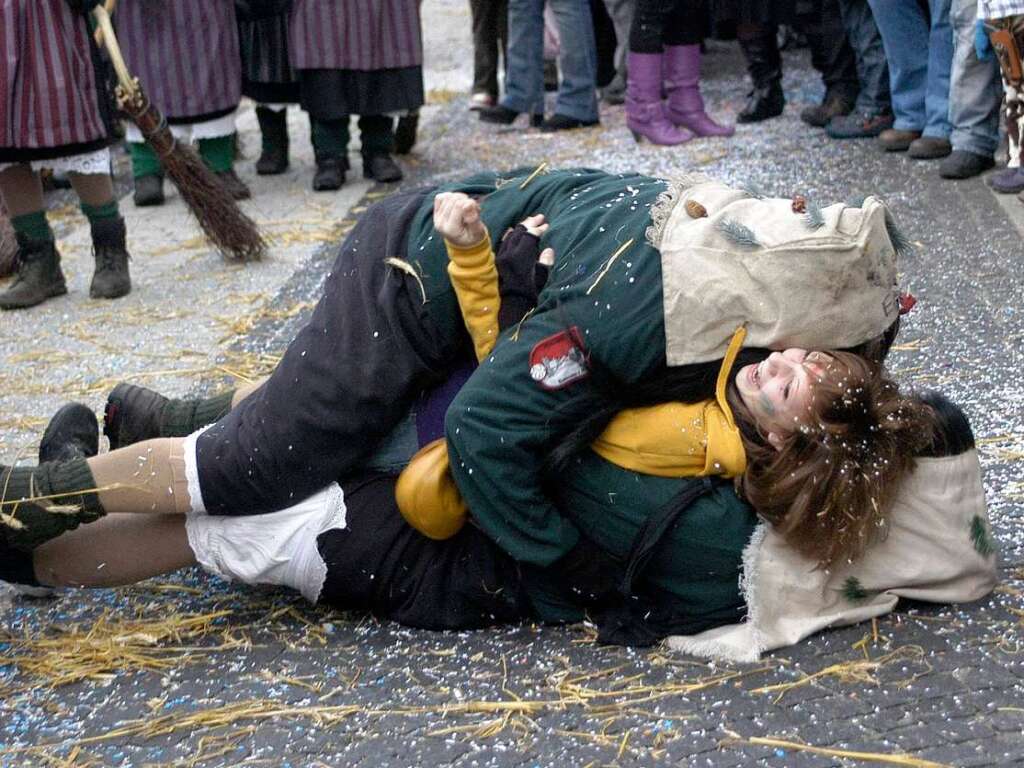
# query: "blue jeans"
[[919, 57], [975, 90], [577, 59], [872, 68]]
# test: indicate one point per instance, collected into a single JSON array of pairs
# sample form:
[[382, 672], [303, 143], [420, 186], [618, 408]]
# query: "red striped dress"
[[185, 54], [52, 104]]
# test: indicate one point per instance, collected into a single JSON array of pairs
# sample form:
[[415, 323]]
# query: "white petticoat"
[[277, 548], [206, 129], [97, 162]]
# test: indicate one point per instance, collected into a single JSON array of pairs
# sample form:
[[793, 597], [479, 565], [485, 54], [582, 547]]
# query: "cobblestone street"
[[190, 671]]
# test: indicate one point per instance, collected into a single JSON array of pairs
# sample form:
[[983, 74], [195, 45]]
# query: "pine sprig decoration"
[[854, 591], [857, 201], [753, 190], [738, 233], [900, 242], [814, 217], [980, 537]]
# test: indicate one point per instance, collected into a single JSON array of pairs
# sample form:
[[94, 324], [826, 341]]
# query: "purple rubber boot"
[[645, 110], [684, 106]]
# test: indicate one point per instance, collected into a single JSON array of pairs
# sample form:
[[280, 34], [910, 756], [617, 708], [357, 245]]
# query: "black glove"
[[83, 6], [520, 276], [590, 574]]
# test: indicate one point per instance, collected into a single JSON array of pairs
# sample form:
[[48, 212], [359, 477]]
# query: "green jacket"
[[532, 390]]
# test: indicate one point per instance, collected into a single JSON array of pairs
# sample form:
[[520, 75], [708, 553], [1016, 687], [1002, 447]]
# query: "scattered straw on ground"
[[868, 757]]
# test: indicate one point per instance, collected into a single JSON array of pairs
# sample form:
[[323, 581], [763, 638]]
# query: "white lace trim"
[[88, 163], [662, 209], [207, 129], [312, 581], [195, 493]]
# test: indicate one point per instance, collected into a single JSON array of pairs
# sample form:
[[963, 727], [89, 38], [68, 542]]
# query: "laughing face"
[[777, 391]]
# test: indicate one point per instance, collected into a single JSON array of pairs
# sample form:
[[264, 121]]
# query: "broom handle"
[[97, 35], [124, 77]]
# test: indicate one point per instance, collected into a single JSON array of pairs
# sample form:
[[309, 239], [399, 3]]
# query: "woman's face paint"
[[778, 390]]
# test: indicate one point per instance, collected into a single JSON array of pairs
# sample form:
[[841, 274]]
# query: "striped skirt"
[[185, 54], [54, 104], [362, 35], [267, 74]]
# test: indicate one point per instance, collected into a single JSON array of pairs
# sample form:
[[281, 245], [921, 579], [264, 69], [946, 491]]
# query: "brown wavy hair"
[[828, 487]]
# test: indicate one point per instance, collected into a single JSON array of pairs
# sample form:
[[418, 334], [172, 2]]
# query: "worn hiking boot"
[[133, 414], [111, 279], [835, 104], [39, 275], [381, 168], [73, 433], [149, 190]]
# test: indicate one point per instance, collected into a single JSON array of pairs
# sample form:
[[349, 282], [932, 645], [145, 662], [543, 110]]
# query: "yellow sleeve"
[[475, 280]]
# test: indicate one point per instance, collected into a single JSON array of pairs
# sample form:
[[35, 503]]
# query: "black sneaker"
[[73, 433], [961, 164], [559, 122]]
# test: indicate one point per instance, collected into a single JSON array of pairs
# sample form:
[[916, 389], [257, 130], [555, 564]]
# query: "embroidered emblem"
[[557, 361]]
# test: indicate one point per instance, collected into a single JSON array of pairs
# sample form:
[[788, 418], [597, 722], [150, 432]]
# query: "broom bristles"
[[232, 232]]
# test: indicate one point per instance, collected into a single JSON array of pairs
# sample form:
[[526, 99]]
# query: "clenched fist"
[[457, 218]]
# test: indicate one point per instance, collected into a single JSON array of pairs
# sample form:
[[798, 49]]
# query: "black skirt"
[[333, 94], [267, 75], [727, 13]]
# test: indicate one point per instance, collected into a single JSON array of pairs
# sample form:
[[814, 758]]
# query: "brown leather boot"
[[39, 275]]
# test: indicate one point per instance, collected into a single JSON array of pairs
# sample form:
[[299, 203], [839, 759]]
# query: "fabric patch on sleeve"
[[557, 361]]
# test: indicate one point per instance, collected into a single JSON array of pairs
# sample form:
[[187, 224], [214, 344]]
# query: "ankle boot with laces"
[[111, 279], [39, 276]]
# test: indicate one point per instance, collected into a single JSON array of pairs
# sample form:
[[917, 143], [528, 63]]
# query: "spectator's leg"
[[484, 15], [764, 64], [330, 149], [621, 12], [377, 136], [872, 67], [645, 108], [111, 278], [940, 60], [1007, 37], [905, 32], [577, 91], [831, 53], [974, 96], [524, 87]]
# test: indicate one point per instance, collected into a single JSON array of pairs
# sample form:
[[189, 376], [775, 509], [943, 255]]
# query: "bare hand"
[[536, 225], [457, 219]]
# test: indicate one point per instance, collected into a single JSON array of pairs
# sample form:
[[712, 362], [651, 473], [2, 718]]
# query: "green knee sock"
[[180, 418], [33, 226], [330, 137], [144, 159], [67, 484], [105, 212], [218, 153]]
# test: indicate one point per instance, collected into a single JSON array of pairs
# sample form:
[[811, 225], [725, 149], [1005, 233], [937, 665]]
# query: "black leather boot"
[[73, 433], [330, 173], [764, 64], [39, 275], [134, 413], [405, 133], [274, 131], [149, 190], [111, 279]]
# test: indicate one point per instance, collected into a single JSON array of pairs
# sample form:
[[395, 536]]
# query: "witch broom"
[[232, 232]]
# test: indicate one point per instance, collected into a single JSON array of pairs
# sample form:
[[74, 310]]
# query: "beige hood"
[[822, 278], [939, 549]]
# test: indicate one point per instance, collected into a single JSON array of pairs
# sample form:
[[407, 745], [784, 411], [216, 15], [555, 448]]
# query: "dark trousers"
[[657, 23], [490, 35], [346, 380], [831, 53], [380, 563]]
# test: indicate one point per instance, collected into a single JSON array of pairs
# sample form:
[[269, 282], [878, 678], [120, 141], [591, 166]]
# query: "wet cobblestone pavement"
[[188, 671]]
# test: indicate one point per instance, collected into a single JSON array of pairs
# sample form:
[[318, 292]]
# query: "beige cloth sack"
[[939, 549], [822, 279]]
